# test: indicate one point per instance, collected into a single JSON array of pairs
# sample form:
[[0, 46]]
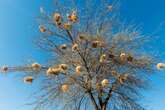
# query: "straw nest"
[[67, 26], [78, 70], [28, 79], [57, 19], [65, 88], [73, 17], [53, 71], [36, 66], [63, 47], [123, 78], [123, 57], [160, 66], [103, 58], [75, 47], [4, 68], [42, 28], [104, 83], [62, 68]]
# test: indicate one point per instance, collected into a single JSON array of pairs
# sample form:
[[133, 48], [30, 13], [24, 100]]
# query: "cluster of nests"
[[123, 57], [103, 84], [71, 18], [27, 79], [58, 20], [62, 68], [103, 58], [75, 46]]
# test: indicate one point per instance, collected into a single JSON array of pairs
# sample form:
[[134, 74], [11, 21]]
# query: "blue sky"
[[18, 28]]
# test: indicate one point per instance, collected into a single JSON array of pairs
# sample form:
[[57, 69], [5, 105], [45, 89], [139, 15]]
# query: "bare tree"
[[96, 61]]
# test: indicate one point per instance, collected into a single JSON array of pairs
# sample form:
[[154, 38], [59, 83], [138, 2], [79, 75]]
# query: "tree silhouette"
[[96, 61]]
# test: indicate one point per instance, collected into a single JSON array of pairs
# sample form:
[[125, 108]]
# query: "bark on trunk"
[[93, 101], [104, 107]]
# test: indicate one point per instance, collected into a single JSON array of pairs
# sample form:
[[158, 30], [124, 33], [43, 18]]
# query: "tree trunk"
[[104, 107], [93, 101]]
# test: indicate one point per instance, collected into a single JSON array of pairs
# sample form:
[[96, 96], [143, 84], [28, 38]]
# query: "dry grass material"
[[4, 69], [98, 86], [74, 47], [78, 70], [95, 44], [63, 67], [160, 66], [36, 66], [122, 78], [104, 82], [63, 47], [123, 57], [59, 24], [129, 58], [65, 88], [49, 71], [57, 17], [42, 28], [28, 79], [125, 77], [73, 17], [81, 37], [114, 73], [103, 58], [67, 26], [53, 71]]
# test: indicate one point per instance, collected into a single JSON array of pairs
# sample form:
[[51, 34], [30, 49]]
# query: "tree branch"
[[93, 100], [114, 85]]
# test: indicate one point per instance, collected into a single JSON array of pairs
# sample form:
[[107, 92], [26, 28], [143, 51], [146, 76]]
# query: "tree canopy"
[[96, 62]]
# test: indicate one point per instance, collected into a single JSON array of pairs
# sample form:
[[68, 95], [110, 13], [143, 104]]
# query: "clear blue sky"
[[18, 29]]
